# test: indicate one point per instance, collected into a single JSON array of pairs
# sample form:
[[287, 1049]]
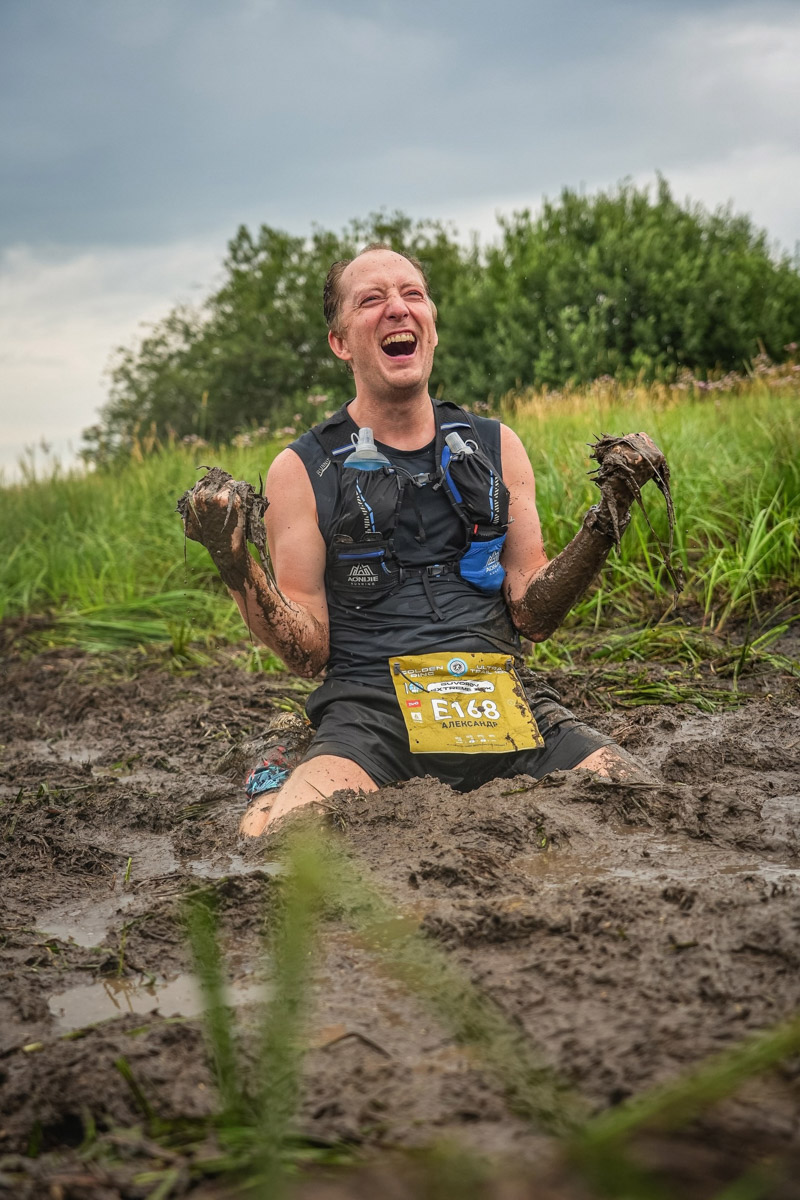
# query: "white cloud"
[[763, 181], [60, 317]]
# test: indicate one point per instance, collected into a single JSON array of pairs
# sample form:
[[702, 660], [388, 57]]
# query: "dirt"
[[630, 931]]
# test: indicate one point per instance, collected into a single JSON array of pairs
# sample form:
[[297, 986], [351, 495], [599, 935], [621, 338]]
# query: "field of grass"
[[99, 556]]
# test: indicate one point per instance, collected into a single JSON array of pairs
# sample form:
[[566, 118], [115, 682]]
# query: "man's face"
[[386, 330]]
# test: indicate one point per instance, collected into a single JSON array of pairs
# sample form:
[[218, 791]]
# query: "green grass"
[[101, 554], [735, 463]]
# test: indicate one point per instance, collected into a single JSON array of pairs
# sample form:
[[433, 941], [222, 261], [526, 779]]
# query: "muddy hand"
[[627, 463], [214, 514], [224, 514]]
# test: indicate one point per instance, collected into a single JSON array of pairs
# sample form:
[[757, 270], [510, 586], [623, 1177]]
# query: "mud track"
[[629, 931]]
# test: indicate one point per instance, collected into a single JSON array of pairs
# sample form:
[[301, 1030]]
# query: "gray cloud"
[[136, 135], [138, 123]]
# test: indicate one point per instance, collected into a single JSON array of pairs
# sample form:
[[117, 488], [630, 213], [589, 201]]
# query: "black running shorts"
[[364, 724]]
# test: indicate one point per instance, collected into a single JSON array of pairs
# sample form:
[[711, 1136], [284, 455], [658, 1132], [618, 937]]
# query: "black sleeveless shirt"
[[363, 639]]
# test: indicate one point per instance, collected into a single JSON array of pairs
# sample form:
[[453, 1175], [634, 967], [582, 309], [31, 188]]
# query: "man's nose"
[[396, 305]]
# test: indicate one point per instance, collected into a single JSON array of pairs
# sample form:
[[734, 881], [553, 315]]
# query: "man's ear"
[[339, 346]]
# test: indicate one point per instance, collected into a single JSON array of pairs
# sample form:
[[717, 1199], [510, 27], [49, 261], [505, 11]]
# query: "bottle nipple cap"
[[366, 454], [457, 444]]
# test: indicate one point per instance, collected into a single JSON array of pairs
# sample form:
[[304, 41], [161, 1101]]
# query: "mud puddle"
[[84, 924], [231, 864], [630, 933], [88, 1003]]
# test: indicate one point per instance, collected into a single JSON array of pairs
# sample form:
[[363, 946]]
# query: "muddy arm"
[[559, 585], [540, 599], [287, 611]]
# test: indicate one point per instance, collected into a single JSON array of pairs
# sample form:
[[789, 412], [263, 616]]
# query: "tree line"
[[624, 283]]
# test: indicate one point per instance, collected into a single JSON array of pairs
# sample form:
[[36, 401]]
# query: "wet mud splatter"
[[207, 522], [631, 930]]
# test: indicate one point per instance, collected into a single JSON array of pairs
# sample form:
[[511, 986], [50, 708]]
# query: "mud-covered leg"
[[310, 783], [615, 763]]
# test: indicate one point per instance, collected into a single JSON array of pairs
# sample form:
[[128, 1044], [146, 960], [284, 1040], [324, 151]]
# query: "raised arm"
[[539, 592], [291, 614]]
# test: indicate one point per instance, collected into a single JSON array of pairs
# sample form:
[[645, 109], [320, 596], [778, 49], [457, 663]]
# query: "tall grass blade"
[[533, 1088], [291, 948], [201, 925], [681, 1101]]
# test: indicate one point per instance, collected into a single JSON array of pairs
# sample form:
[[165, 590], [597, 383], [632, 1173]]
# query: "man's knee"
[[312, 782], [317, 778]]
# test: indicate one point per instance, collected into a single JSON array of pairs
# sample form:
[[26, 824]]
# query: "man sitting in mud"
[[408, 563]]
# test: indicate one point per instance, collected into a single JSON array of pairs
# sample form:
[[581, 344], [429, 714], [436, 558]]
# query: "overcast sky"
[[136, 135]]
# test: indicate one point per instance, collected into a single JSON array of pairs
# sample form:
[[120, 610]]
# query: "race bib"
[[463, 704]]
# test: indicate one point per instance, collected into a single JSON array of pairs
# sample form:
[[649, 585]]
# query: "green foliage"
[[735, 481], [97, 559], [620, 283], [255, 354]]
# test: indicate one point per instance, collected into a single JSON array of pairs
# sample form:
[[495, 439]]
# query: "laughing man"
[[411, 572]]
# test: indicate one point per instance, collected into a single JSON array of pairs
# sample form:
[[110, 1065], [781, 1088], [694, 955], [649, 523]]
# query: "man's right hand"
[[224, 514], [289, 614]]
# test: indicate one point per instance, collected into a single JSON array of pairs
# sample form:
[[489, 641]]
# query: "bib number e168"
[[463, 703]]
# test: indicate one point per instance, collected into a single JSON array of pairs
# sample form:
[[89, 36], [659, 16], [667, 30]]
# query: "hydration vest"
[[362, 564]]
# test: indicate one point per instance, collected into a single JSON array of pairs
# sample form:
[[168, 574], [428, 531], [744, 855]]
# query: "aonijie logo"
[[361, 573]]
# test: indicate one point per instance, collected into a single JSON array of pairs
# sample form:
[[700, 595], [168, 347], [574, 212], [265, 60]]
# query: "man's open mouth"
[[399, 345]]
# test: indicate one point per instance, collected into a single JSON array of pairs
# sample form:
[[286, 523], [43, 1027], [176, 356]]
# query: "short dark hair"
[[331, 293]]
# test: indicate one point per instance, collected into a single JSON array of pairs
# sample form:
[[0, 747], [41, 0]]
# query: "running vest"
[[425, 603], [363, 562]]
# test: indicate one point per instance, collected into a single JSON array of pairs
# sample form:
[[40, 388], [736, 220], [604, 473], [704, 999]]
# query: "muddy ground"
[[629, 932]]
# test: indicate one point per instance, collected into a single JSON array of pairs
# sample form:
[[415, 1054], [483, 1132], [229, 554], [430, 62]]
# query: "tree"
[[617, 283]]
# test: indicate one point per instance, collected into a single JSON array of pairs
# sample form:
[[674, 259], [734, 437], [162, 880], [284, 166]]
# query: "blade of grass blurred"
[[532, 1087], [282, 1050], [321, 879], [681, 1101], [203, 933]]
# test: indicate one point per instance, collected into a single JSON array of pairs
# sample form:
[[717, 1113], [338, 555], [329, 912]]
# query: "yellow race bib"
[[463, 704]]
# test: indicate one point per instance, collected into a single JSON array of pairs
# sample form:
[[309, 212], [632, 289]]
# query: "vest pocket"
[[359, 572], [480, 563]]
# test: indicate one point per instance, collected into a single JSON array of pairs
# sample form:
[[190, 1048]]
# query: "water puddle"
[[150, 854], [777, 872], [649, 858], [559, 866], [85, 924], [178, 997], [231, 864]]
